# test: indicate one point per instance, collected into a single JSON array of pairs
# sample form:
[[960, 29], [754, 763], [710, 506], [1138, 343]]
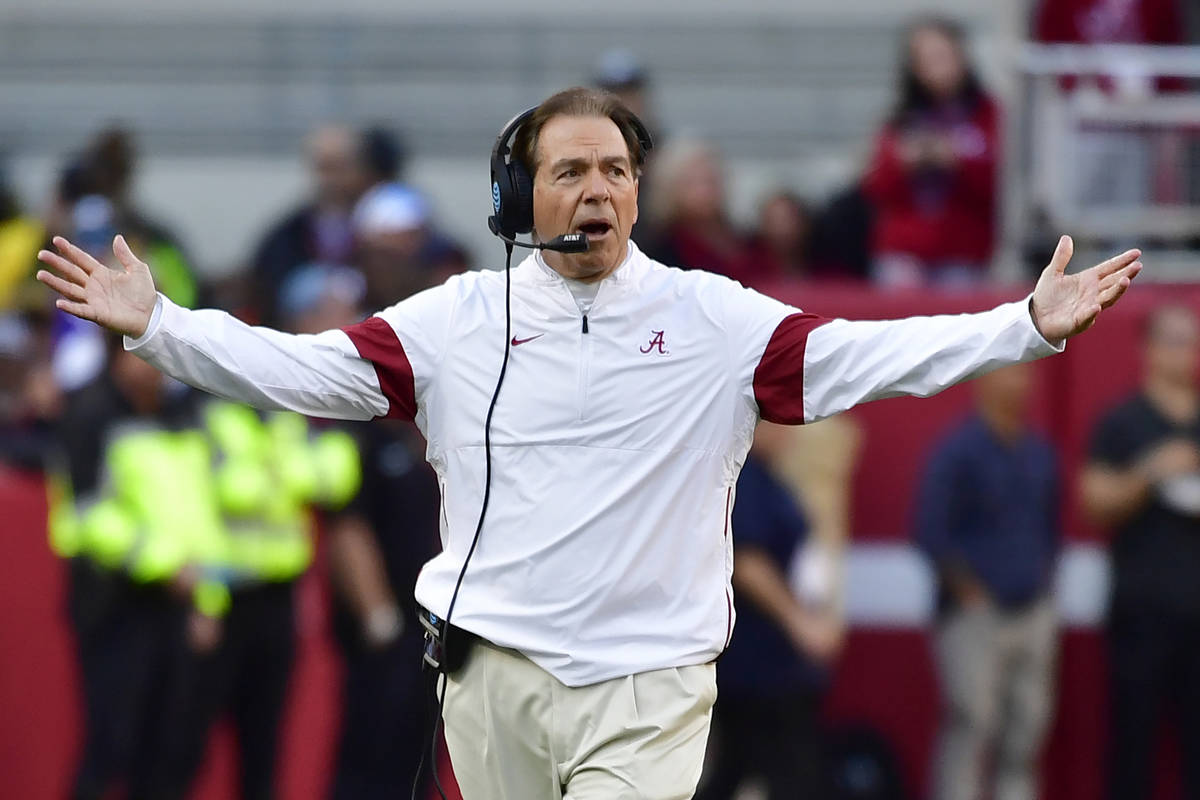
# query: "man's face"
[[586, 184]]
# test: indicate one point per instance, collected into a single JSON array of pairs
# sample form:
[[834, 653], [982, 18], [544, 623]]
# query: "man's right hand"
[[121, 300]]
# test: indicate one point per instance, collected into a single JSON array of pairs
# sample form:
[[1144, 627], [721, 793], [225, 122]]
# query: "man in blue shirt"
[[773, 675], [987, 517]]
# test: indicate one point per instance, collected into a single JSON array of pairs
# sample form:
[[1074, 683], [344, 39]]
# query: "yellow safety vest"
[[268, 472], [156, 511]]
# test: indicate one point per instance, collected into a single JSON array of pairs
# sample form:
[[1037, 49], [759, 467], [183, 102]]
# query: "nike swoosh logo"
[[516, 341]]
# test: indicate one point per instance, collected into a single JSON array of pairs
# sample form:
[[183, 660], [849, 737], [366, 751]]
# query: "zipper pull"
[[585, 323]]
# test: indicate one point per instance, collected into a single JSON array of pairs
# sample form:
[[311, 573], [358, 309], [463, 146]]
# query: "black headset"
[[512, 186]]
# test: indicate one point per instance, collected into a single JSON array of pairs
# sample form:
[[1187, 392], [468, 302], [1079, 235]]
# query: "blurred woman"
[[689, 217], [933, 176], [782, 243]]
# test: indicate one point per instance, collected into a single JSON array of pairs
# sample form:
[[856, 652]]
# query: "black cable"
[[431, 748]]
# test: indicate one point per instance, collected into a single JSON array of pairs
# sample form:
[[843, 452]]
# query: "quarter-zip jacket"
[[617, 438]]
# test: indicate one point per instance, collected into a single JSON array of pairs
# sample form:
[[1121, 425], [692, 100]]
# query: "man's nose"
[[596, 190]]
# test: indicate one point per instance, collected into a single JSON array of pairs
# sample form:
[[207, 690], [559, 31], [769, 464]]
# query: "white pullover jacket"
[[616, 442]]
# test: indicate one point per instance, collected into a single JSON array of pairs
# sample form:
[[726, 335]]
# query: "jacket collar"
[[533, 268]]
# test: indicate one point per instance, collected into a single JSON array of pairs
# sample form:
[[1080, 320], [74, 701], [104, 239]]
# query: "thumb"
[[1062, 255], [131, 262]]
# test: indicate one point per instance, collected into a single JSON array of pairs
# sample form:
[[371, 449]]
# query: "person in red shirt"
[[933, 177]]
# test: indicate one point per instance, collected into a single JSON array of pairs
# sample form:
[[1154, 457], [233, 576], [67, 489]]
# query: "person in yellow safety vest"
[[269, 472], [132, 509]]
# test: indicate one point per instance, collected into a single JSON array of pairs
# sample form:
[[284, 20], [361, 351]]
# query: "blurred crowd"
[[186, 521]]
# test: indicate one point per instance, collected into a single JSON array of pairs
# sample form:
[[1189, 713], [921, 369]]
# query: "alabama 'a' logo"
[[656, 343]]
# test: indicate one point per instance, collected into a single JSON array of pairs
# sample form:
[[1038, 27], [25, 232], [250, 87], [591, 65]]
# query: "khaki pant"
[[997, 674], [517, 733]]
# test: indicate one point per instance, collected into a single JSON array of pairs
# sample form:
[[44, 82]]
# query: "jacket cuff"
[[1044, 346], [155, 323]]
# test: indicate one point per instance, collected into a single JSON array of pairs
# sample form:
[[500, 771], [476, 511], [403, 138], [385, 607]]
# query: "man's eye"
[[617, 171], [570, 173]]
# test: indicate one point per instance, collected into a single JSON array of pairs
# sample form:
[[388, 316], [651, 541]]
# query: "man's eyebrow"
[[567, 162], [563, 163]]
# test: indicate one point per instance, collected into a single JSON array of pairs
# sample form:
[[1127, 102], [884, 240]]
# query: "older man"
[[600, 588]]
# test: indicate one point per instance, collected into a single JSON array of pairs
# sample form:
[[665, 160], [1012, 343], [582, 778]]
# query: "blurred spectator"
[[690, 222], [841, 243], [343, 165], [269, 470], [774, 673], [109, 164], [621, 72], [933, 176], [320, 297], [1142, 481], [782, 245], [20, 238], [397, 249], [988, 520], [129, 520]]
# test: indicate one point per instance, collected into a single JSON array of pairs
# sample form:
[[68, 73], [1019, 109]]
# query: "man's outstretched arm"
[[319, 375], [814, 367]]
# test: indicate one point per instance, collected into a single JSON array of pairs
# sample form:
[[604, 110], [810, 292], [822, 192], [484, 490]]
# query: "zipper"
[[585, 358]]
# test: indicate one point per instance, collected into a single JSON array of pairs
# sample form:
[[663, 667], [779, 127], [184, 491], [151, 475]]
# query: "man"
[[773, 675], [987, 517], [599, 587], [1142, 482]]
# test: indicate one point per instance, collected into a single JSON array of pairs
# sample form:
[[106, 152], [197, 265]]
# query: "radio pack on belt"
[[446, 646]]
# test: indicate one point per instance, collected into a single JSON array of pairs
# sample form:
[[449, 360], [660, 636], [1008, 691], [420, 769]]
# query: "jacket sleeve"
[[803, 367], [359, 372]]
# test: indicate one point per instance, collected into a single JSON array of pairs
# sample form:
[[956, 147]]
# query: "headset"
[[512, 189], [512, 214]]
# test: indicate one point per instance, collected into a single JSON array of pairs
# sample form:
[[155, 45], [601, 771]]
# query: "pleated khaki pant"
[[517, 733]]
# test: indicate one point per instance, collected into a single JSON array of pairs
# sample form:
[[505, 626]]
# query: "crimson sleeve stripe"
[[377, 342], [779, 376]]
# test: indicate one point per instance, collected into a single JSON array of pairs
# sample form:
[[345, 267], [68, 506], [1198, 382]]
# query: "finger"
[[1117, 263], [1129, 272], [131, 262], [72, 291], [81, 310], [1062, 254], [1113, 293], [76, 255], [63, 267]]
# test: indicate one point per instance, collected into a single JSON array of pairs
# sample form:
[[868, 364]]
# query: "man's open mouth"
[[594, 229]]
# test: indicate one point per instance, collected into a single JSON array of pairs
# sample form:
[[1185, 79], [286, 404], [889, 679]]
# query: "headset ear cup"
[[520, 214]]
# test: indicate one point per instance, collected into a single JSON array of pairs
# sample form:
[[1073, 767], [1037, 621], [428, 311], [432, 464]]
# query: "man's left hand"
[[1064, 305]]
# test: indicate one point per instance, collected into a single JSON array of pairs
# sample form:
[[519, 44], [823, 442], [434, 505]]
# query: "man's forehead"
[[572, 136]]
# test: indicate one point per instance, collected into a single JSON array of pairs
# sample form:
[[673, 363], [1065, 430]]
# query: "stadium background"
[[220, 96]]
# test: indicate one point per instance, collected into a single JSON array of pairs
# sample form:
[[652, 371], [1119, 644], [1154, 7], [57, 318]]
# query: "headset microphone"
[[567, 243]]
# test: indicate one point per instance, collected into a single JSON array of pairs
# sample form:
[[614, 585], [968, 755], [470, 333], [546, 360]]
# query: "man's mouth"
[[594, 229]]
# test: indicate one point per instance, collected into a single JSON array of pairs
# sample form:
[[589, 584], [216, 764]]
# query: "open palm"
[[121, 300], [1065, 305]]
